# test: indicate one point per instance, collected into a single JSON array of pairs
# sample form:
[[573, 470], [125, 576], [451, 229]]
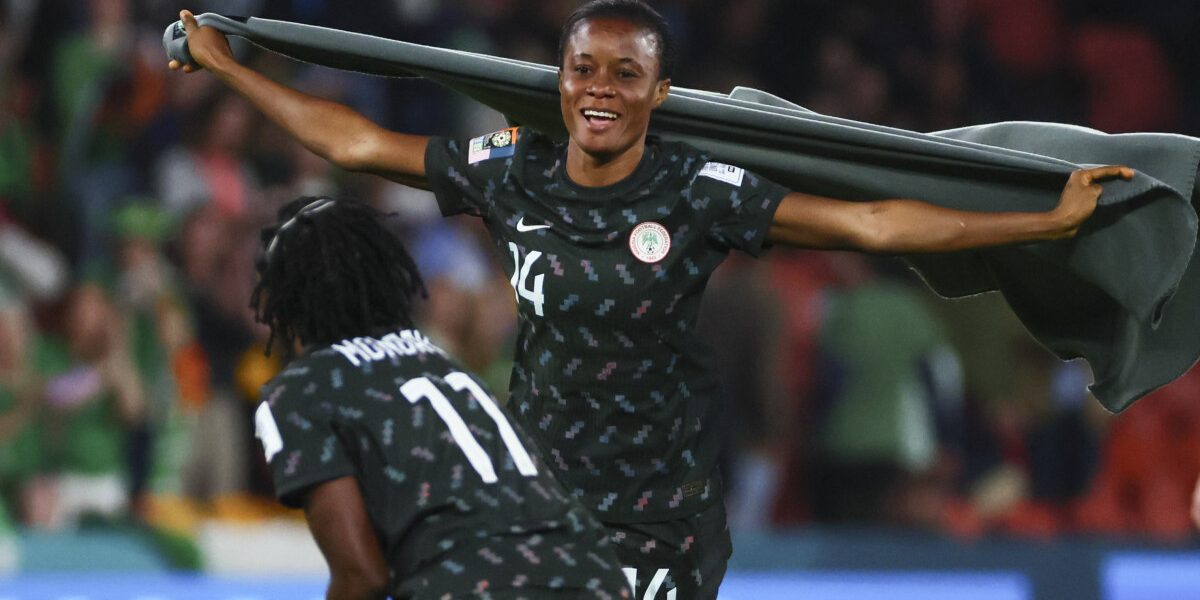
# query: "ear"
[[661, 92]]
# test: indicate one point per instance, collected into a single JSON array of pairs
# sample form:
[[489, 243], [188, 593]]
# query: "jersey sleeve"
[[742, 205], [462, 175], [300, 441]]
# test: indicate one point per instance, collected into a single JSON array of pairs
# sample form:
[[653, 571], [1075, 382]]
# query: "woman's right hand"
[[207, 45]]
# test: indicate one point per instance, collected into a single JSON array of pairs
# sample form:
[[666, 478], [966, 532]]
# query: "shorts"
[[683, 559]]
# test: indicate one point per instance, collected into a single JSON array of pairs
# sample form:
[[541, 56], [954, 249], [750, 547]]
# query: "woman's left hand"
[[1079, 197]]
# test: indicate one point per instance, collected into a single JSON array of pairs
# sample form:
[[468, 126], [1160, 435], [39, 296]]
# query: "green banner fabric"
[[1123, 294]]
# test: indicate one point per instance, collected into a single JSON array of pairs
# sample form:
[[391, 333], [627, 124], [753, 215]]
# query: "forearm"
[[905, 226], [320, 125], [331, 130], [911, 226]]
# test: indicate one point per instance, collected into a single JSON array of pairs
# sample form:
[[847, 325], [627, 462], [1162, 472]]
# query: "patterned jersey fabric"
[[610, 376], [461, 505]]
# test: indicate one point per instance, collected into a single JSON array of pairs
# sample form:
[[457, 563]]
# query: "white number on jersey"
[[652, 587], [416, 389], [267, 431], [521, 277]]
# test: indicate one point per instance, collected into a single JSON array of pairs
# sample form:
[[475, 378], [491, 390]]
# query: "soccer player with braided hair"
[[609, 238], [414, 482]]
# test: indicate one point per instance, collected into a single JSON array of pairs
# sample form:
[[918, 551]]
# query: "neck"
[[590, 170]]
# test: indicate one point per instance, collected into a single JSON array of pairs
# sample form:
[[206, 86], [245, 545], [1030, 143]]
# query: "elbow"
[[874, 242], [355, 151], [346, 156], [874, 235], [358, 585]]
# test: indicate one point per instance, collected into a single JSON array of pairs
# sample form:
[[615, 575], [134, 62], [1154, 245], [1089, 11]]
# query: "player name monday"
[[403, 343]]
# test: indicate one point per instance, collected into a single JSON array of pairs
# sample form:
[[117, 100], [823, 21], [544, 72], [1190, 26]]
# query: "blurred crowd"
[[132, 198]]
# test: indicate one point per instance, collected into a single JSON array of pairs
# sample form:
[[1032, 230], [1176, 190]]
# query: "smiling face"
[[608, 85]]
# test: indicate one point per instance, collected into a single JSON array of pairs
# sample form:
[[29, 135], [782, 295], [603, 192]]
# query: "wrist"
[[222, 65], [1059, 223]]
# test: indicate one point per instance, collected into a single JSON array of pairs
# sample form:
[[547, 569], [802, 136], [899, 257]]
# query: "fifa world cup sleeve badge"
[[501, 144]]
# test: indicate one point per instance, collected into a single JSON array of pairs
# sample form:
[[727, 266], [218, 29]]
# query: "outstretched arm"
[[911, 226], [331, 130], [338, 520]]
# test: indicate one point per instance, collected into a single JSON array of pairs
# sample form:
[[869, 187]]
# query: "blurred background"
[[874, 429]]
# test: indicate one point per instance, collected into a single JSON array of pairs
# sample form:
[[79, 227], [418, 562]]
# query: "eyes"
[[623, 73]]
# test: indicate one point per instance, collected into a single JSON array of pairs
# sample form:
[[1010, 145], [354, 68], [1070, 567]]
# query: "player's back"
[[456, 493]]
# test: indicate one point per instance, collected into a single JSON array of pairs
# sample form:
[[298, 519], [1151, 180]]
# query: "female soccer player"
[[414, 482], [612, 236]]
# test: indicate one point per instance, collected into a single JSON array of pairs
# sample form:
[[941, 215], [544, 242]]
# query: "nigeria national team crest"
[[649, 242]]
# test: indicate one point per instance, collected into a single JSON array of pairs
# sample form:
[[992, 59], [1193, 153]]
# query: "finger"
[[1108, 172], [173, 65], [189, 21]]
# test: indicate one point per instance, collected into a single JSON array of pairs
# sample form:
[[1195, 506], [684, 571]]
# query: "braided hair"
[[330, 270]]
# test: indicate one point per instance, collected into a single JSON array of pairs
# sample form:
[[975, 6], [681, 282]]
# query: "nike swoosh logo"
[[522, 227]]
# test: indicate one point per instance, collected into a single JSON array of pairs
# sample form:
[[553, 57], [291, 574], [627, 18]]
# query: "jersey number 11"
[[414, 390]]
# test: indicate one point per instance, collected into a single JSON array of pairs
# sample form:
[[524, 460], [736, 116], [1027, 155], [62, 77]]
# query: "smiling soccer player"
[[612, 236]]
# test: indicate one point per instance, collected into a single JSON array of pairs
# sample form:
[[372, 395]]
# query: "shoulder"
[[698, 167], [300, 377], [504, 143], [322, 368], [721, 177]]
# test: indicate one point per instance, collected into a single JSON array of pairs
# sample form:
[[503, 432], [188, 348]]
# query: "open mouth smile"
[[599, 120]]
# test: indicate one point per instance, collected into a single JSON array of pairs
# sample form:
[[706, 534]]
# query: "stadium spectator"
[[20, 450], [889, 378], [104, 95], [210, 167], [31, 271], [93, 396], [1149, 457], [215, 252], [739, 321], [149, 295]]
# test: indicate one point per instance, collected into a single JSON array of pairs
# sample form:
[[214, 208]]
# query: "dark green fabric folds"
[[1123, 294]]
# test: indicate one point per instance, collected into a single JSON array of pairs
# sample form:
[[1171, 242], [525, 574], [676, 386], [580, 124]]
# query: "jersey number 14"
[[520, 278], [415, 390]]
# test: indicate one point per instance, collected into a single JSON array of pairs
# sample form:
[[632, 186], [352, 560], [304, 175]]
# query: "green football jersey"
[[460, 503], [610, 376]]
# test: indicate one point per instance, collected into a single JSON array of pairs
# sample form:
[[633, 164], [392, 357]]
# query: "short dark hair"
[[330, 270], [633, 11]]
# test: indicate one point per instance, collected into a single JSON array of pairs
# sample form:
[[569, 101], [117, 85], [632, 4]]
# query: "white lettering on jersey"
[[365, 349], [266, 430], [723, 172]]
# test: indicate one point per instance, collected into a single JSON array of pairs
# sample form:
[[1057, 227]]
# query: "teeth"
[[600, 114]]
